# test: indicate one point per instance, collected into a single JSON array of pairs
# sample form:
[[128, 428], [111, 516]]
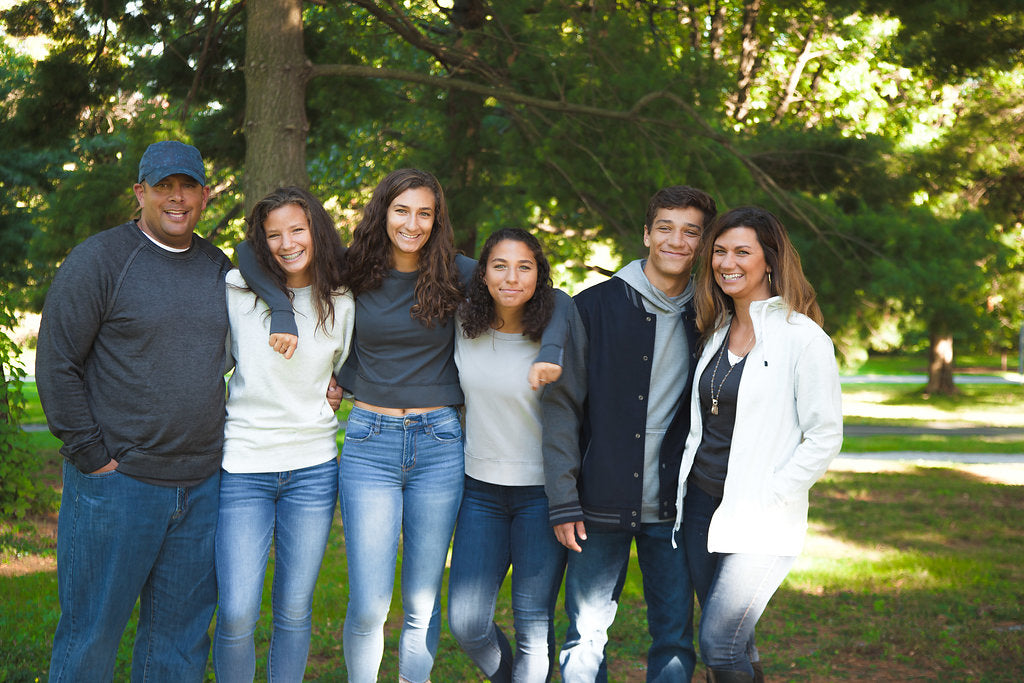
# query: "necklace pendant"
[[714, 406]]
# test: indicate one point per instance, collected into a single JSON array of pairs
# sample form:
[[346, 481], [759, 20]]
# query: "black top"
[[720, 381]]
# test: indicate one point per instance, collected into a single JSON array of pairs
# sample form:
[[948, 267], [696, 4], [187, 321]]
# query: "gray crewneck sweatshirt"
[[130, 362], [669, 369]]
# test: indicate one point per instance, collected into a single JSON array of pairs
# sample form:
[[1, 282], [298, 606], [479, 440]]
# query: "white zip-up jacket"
[[789, 427]]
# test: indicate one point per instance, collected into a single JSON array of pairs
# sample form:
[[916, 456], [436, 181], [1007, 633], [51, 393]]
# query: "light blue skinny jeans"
[[733, 589], [400, 476], [294, 510]]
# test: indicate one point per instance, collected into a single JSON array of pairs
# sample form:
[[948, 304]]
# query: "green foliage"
[[21, 491], [851, 120]]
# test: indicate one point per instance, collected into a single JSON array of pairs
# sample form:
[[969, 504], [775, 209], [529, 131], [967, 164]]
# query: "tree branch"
[[796, 73], [203, 60], [232, 213], [761, 177], [398, 21]]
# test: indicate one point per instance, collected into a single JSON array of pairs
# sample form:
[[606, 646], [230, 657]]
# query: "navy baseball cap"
[[168, 158]]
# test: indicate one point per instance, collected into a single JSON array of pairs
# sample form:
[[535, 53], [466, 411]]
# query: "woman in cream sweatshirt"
[[280, 470]]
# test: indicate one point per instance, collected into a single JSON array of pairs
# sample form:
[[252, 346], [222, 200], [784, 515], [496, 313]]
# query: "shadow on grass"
[[918, 574], [914, 575]]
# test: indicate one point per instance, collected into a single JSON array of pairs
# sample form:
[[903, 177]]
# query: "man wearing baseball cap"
[[130, 370]]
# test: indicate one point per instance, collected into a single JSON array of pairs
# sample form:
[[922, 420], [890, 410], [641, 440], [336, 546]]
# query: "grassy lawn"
[[898, 405], [996, 405], [902, 364], [909, 572]]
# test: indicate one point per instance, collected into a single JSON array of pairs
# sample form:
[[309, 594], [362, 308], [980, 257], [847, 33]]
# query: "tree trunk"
[[940, 364], [465, 116], [748, 62], [5, 407], [276, 72], [717, 31], [795, 74]]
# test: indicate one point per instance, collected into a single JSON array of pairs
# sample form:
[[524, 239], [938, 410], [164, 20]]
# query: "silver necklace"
[[714, 373]]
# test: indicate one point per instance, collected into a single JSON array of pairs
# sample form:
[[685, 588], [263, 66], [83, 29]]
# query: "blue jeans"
[[120, 540], [294, 510], [593, 583], [399, 475], [502, 526], [732, 589]]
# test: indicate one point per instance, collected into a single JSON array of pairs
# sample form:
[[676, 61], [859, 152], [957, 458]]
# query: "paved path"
[[937, 456], [1013, 378], [881, 430], [952, 430]]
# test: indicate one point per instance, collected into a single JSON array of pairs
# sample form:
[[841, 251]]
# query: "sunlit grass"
[[909, 572], [914, 572], [930, 443], [1000, 405], [916, 364]]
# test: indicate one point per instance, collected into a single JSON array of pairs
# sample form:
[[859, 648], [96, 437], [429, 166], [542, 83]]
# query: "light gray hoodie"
[[669, 369]]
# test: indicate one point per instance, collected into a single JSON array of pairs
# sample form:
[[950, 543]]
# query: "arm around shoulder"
[[282, 317], [562, 405], [553, 341]]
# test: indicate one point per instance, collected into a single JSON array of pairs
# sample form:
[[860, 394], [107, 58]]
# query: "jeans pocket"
[[109, 474], [357, 431], [447, 432]]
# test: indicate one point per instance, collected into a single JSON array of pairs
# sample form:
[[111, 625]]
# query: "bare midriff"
[[394, 412]]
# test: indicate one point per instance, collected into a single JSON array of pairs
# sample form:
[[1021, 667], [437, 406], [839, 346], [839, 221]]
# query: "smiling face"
[[410, 221], [290, 241], [171, 209], [672, 240], [511, 278], [739, 266]]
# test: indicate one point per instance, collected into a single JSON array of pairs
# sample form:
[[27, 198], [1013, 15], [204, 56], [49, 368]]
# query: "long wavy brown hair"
[[478, 312], [369, 258], [787, 275], [325, 267]]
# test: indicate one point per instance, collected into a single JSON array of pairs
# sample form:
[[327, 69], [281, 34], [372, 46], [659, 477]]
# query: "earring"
[[769, 279]]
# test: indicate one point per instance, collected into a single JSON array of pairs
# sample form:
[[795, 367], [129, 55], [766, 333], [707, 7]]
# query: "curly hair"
[[369, 258], [787, 275], [477, 311], [325, 270]]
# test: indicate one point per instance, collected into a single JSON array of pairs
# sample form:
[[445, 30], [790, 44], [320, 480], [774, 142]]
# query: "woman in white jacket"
[[765, 422]]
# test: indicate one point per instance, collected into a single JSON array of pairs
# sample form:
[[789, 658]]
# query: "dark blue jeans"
[[733, 589], [498, 527], [593, 583], [120, 540]]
